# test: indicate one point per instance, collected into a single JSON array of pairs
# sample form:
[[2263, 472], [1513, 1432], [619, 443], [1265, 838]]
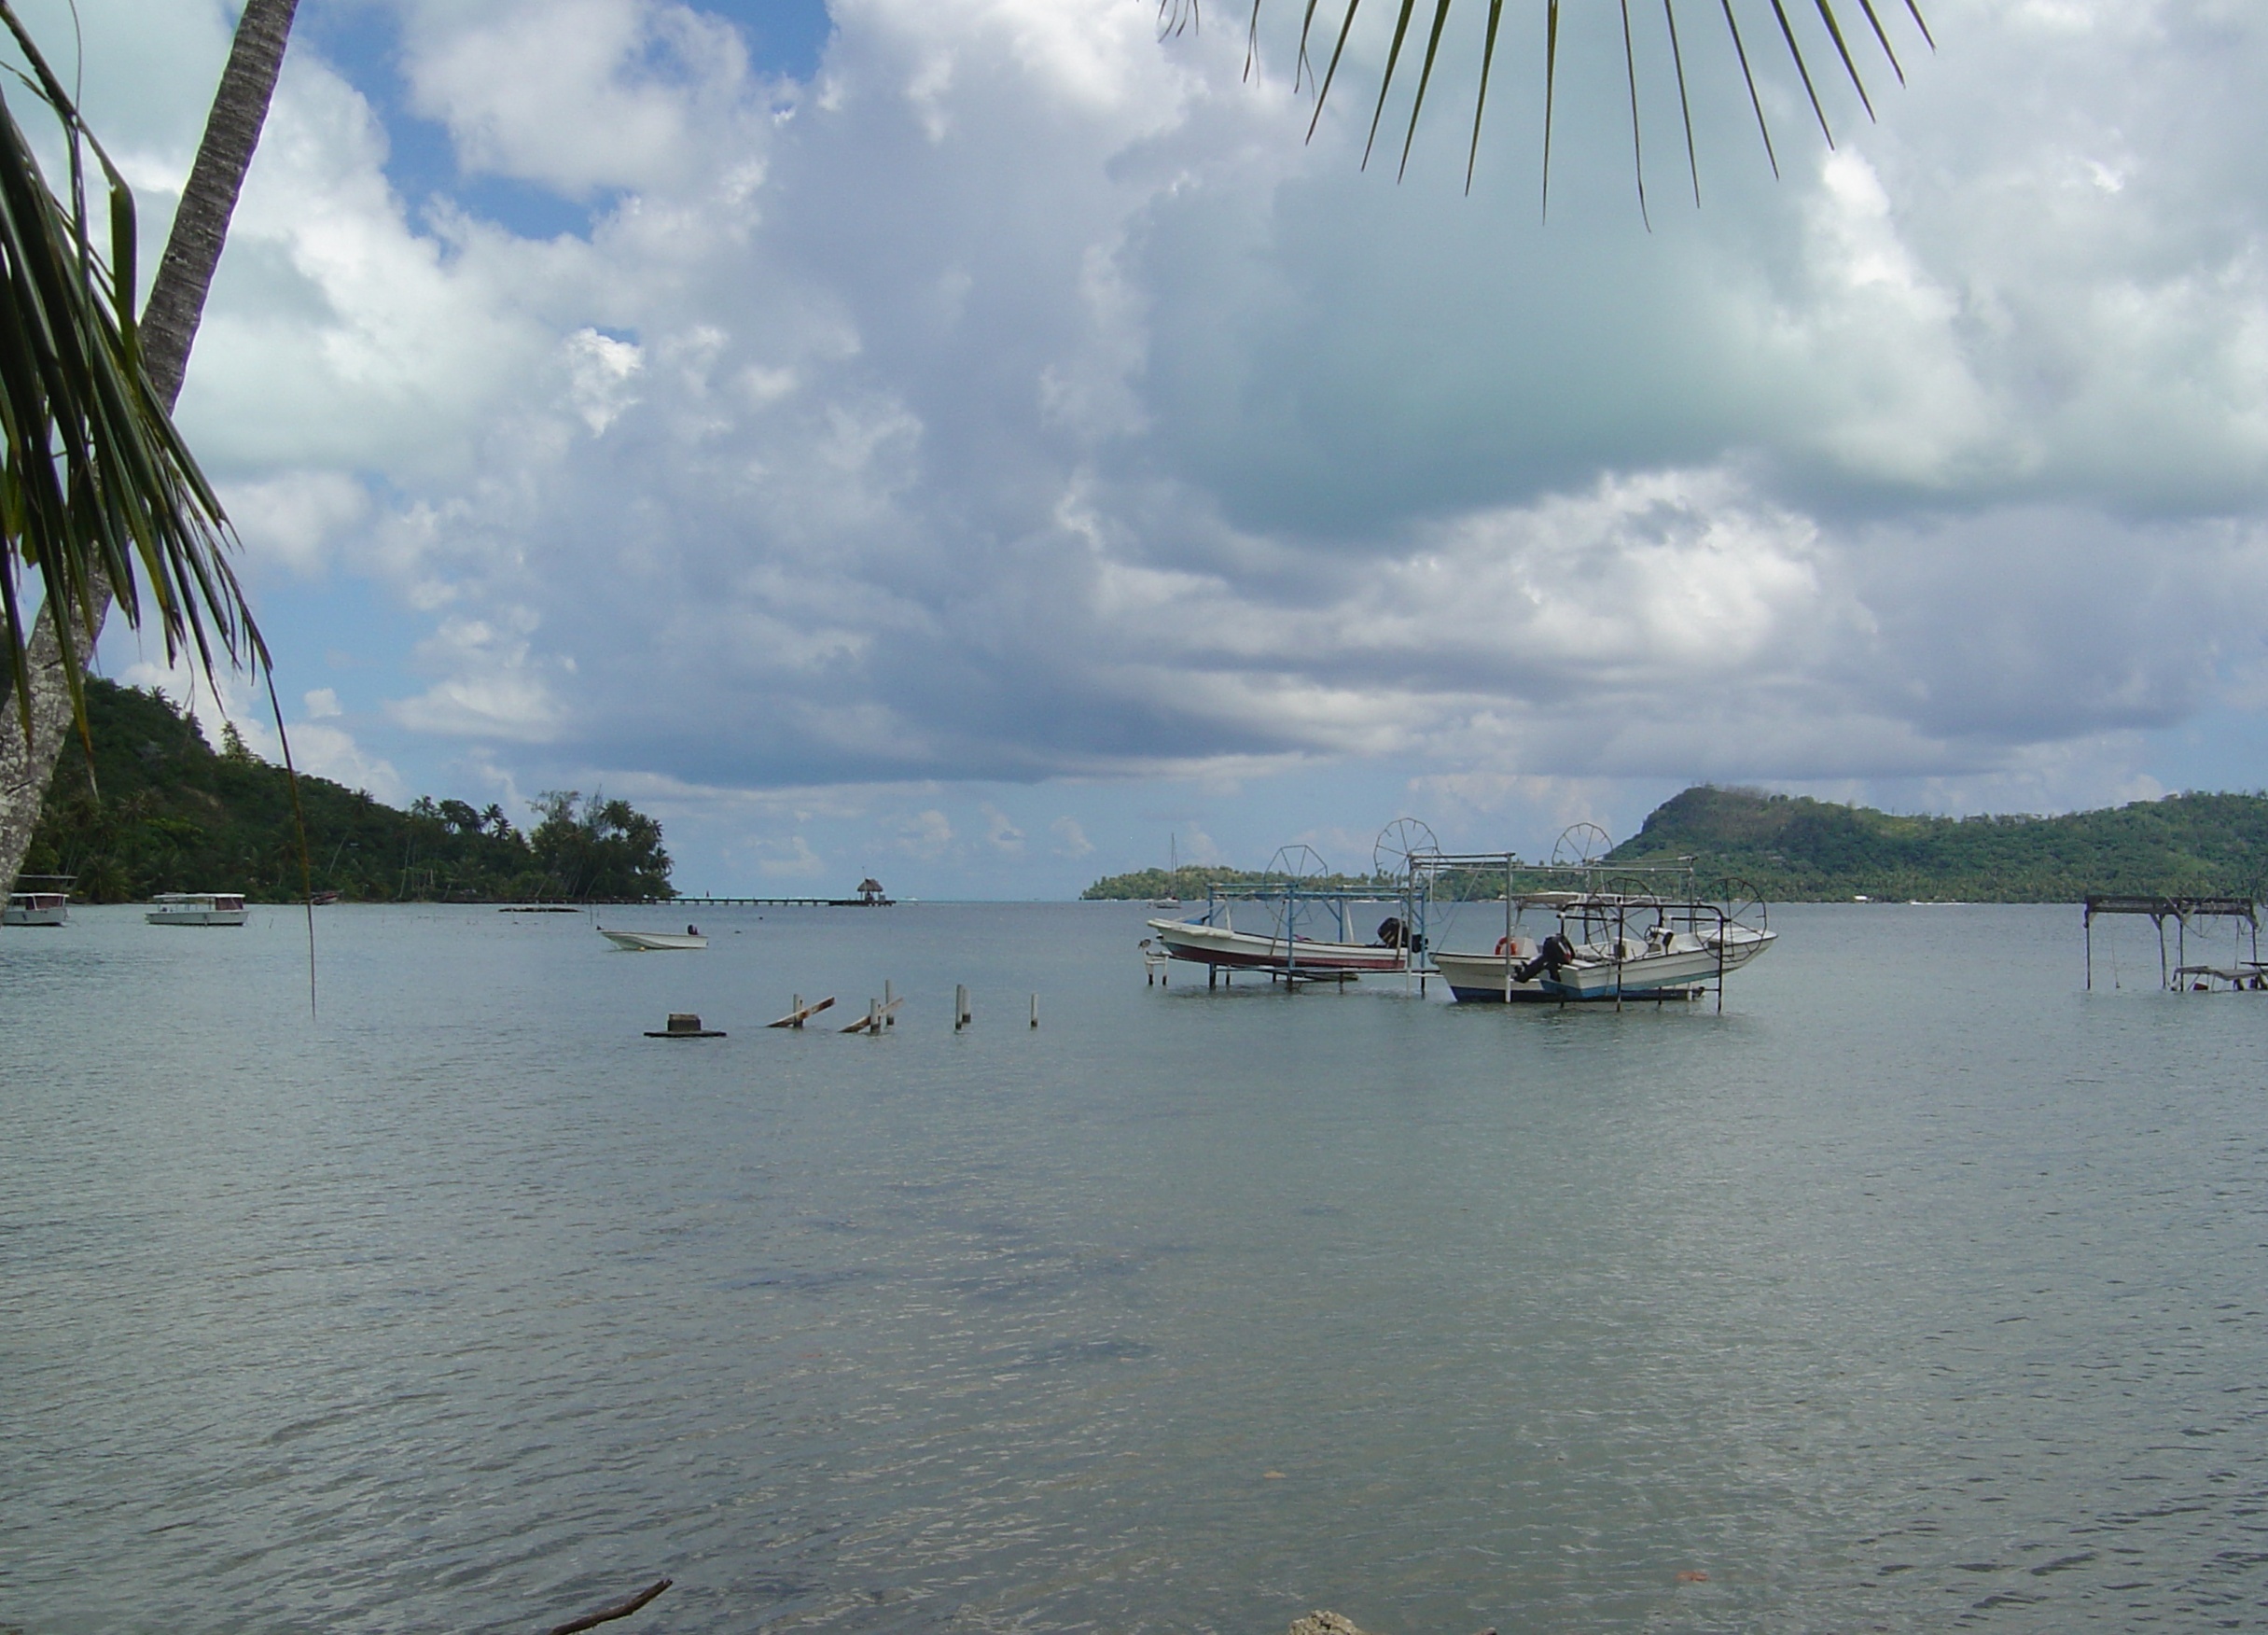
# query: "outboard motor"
[[1556, 951], [1390, 932]]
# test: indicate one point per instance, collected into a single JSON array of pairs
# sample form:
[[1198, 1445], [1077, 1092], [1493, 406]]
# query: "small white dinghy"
[[654, 941]]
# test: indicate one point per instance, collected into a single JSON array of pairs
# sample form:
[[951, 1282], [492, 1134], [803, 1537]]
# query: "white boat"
[[654, 941], [1604, 951], [1225, 946], [36, 908], [197, 908]]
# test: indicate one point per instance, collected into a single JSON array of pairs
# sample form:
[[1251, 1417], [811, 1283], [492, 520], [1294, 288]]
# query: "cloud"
[[600, 93], [318, 747], [800, 863], [600, 369], [1001, 833], [1070, 838], [322, 750], [493, 686], [292, 519], [1024, 400], [927, 835]]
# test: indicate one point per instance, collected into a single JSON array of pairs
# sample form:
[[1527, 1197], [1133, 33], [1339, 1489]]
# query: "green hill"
[[1793, 848], [175, 815]]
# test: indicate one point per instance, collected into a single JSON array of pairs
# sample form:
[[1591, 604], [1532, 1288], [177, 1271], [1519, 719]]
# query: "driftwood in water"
[[608, 1614]]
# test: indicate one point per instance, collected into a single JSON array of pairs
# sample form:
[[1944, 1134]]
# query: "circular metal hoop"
[[1399, 843], [1581, 845]]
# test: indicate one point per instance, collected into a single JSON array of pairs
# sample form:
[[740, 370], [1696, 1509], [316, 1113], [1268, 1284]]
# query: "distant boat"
[[197, 908], [654, 941], [1173, 867], [38, 908]]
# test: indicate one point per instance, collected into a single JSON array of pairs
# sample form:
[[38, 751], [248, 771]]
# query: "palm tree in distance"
[[131, 516]]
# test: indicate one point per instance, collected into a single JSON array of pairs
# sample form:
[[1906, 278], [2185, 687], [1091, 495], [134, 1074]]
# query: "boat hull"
[[35, 914], [1480, 978], [652, 942], [198, 917], [1204, 944]]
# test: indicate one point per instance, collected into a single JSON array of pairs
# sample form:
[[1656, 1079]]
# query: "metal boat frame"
[[1601, 901], [1288, 902]]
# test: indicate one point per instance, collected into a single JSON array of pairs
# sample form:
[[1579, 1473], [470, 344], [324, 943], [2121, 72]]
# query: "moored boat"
[[1665, 961], [1224, 945], [197, 908], [44, 907], [655, 942]]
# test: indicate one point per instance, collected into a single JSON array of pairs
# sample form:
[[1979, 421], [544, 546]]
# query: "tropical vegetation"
[[165, 811], [1186, 883], [99, 499], [1794, 848]]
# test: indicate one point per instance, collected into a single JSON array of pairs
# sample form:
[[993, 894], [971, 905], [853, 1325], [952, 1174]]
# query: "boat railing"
[[1598, 904], [1327, 905]]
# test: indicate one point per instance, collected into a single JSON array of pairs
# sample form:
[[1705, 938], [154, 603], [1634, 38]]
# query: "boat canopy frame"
[[1288, 899], [2180, 910], [1601, 899]]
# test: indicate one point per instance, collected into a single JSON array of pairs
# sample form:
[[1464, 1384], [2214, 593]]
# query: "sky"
[[981, 445]]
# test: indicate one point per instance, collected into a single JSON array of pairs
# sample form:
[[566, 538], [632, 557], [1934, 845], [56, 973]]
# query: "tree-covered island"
[[1794, 848], [167, 812]]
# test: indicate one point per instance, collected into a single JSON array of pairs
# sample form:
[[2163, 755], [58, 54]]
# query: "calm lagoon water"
[[1918, 1290]]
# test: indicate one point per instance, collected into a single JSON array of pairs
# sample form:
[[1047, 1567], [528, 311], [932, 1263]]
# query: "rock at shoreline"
[[1320, 1623]]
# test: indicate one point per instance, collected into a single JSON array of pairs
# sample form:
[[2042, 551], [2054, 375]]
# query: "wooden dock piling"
[[801, 1012]]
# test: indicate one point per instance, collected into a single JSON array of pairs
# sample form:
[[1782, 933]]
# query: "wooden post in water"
[[889, 1005], [960, 1006], [1035, 1009]]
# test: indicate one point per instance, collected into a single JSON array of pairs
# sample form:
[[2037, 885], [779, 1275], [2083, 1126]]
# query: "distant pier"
[[778, 901], [870, 895]]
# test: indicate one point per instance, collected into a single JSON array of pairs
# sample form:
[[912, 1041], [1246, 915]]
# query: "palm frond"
[[1830, 19], [98, 493]]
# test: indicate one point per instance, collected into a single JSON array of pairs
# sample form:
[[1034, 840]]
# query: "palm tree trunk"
[[168, 330]]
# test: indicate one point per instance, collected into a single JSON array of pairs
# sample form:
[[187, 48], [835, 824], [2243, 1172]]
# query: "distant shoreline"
[[1791, 848]]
